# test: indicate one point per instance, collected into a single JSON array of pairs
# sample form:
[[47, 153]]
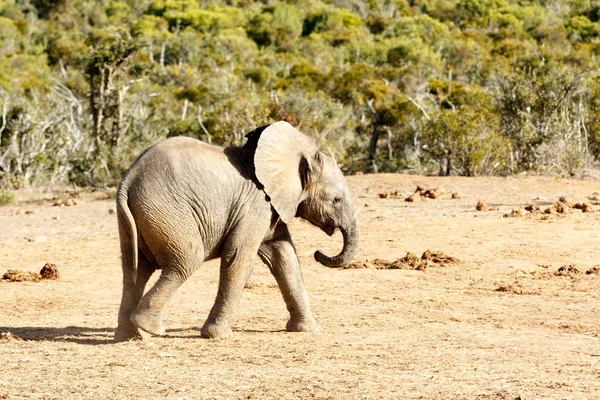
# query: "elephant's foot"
[[149, 320], [127, 333], [303, 325], [214, 330]]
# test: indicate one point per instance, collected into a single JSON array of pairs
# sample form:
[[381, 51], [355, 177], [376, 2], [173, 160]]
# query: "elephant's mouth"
[[329, 229]]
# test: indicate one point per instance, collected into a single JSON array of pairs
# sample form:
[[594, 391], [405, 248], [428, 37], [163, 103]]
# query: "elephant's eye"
[[337, 200]]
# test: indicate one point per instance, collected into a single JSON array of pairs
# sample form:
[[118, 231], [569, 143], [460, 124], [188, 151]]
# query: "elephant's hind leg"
[[132, 294], [178, 264]]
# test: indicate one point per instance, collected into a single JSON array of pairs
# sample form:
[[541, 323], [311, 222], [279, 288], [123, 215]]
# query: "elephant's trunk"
[[351, 236]]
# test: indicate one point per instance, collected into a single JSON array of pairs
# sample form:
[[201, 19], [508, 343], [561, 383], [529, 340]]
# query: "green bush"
[[580, 27], [277, 24], [471, 139], [336, 25], [6, 197]]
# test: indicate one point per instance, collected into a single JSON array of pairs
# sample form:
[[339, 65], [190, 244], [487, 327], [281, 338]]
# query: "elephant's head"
[[302, 181]]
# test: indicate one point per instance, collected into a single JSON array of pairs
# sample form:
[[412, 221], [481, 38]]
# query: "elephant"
[[183, 202]]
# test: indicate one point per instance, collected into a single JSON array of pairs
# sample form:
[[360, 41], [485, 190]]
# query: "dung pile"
[[565, 205], [567, 270], [48, 271], [517, 212], [561, 207], [422, 193], [572, 271], [515, 288], [69, 202], [482, 205], [392, 195], [584, 207], [410, 261], [594, 270], [437, 258], [13, 275]]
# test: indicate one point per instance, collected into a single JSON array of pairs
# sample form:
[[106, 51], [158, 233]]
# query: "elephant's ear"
[[281, 154]]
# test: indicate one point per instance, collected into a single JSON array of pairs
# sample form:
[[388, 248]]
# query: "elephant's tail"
[[127, 232]]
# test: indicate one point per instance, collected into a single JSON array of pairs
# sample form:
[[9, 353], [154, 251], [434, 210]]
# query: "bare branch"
[[185, 107], [4, 110], [199, 118], [419, 107]]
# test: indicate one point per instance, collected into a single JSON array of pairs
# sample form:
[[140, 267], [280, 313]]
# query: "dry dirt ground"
[[502, 324]]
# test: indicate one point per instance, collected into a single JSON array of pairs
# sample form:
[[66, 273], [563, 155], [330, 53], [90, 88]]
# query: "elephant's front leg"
[[236, 265], [280, 256]]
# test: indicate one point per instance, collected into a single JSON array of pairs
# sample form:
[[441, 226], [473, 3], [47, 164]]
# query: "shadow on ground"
[[72, 334], [97, 336]]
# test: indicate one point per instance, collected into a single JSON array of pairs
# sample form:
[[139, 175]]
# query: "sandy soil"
[[501, 324]]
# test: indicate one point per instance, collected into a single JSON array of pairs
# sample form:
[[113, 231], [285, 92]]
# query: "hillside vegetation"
[[468, 87]]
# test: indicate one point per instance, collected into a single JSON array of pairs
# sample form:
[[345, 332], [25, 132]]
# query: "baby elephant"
[[183, 202]]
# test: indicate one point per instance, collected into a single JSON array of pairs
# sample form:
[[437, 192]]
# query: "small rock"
[[558, 208], [37, 239], [49, 271], [434, 193], [416, 196], [517, 212], [567, 270], [482, 206], [457, 195], [421, 190], [566, 201], [68, 203], [593, 270], [112, 211], [9, 337], [30, 212], [584, 207], [532, 207]]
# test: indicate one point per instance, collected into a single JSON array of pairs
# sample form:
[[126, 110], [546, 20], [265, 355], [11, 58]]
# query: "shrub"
[[471, 139], [279, 25], [6, 197]]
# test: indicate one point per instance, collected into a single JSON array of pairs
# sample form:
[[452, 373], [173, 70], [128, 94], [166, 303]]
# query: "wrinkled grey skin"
[[184, 202]]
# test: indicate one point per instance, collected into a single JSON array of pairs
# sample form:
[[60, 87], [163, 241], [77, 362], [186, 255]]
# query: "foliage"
[[466, 87], [471, 140], [542, 111], [6, 197]]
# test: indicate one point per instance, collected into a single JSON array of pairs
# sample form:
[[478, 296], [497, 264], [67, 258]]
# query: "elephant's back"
[[184, 150], [186, 185], [183, 167], [176, 159]]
